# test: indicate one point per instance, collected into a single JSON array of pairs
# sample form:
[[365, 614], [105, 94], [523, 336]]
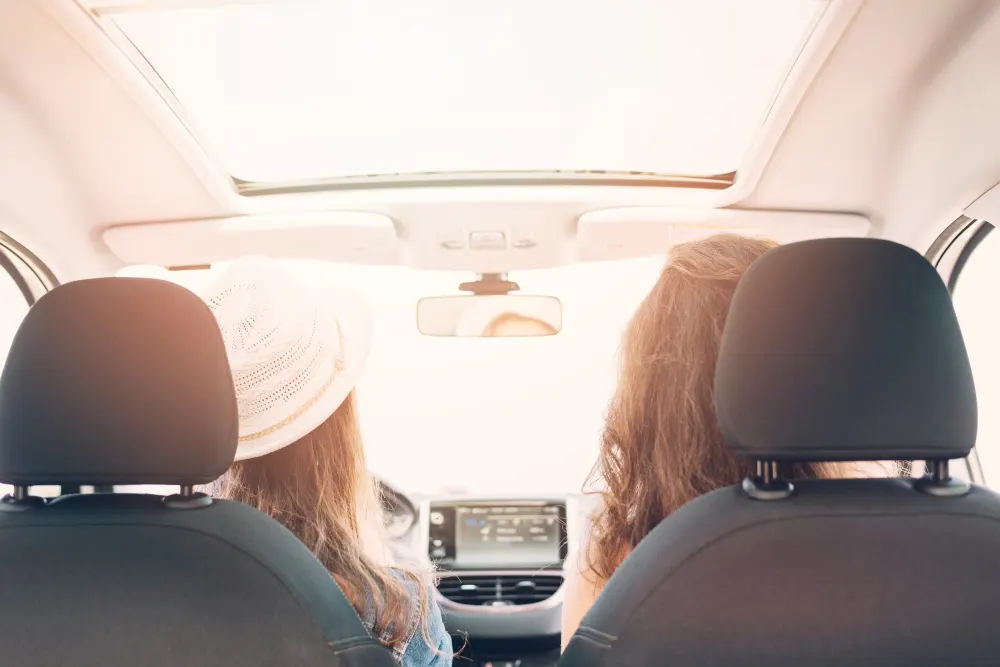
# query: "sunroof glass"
[[307, 90]]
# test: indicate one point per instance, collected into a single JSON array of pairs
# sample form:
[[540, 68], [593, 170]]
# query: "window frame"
[[35, 278], [949, 254], [30, 274]]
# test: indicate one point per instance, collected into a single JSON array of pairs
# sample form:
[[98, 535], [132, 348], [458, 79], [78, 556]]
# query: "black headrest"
[[844, 349], [117, 381]]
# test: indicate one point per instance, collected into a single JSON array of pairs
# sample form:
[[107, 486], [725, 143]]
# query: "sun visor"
[[620, 233], [340, 236]]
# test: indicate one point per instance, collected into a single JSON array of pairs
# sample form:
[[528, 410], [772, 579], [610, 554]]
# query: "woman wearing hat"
[[296, 355]]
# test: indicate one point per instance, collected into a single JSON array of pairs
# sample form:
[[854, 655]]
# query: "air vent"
[[500, 590]]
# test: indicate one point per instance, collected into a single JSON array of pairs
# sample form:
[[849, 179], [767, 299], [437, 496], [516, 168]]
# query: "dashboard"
[[499, 566]]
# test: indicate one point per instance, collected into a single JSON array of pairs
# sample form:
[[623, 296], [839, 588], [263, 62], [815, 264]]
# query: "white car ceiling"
[[886, 126]]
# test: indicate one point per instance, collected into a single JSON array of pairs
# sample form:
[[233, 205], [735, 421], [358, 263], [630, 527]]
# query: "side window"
[[13, 308], [978, 307]]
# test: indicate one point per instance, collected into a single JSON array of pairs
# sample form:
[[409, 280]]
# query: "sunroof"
[[289, 90]]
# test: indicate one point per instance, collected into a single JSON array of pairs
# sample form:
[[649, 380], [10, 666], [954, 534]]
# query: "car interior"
[[447, 159]]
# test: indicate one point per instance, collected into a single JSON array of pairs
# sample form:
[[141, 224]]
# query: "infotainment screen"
[[497, 536]]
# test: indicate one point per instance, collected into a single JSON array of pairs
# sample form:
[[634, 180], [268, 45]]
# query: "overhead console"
[[497, 535]]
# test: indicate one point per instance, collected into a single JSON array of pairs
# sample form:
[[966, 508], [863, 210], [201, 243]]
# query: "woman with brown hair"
[[296, 355], [661, 445]]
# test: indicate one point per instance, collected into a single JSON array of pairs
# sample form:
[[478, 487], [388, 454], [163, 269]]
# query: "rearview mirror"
[[493, 316]]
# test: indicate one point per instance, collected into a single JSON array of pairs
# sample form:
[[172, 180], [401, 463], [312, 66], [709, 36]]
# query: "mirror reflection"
[[489, 316]]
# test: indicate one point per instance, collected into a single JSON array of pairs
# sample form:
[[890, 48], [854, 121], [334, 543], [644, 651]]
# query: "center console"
[[500, 565]]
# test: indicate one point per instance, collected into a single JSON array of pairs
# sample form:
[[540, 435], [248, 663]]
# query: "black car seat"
[[836, 349], [125, 381]]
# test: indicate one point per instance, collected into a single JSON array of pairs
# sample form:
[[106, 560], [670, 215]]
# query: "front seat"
[[125, 381], [835, 349]]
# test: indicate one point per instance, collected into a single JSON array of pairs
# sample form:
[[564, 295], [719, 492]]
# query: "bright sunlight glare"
[[303, 90], [426, 402]]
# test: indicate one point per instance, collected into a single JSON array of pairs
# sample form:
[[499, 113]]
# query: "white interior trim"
[[343, 236], [630, 232], [360, 237], [986, 207], [109, 6], [815, 51], [138, 80]]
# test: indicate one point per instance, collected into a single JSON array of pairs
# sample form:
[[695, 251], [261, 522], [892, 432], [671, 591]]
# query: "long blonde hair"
[[661, 446], [318, 487]]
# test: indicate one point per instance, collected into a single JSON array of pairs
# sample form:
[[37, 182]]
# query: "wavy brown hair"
[[661, 446], [318, 487]]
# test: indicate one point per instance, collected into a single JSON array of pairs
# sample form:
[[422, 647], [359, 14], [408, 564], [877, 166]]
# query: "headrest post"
[[767, 484], [187, 499], [938, 481], [768, 472], [20, 500]]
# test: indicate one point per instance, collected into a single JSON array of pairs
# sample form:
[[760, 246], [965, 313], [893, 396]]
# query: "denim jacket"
[[414, 650]]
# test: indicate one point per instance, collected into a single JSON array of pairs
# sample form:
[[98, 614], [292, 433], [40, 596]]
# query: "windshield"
[[483, 415], [295, 90]]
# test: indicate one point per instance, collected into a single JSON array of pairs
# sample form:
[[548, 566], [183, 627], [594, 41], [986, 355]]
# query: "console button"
[[493, 240]]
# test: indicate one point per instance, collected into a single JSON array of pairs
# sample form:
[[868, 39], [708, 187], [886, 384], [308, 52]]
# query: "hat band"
[[338, 368]]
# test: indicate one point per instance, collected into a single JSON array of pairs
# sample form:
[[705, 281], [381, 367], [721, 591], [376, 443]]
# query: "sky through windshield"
[[487, 415]]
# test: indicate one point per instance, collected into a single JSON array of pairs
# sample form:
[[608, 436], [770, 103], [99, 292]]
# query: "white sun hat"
[[295, 352]]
